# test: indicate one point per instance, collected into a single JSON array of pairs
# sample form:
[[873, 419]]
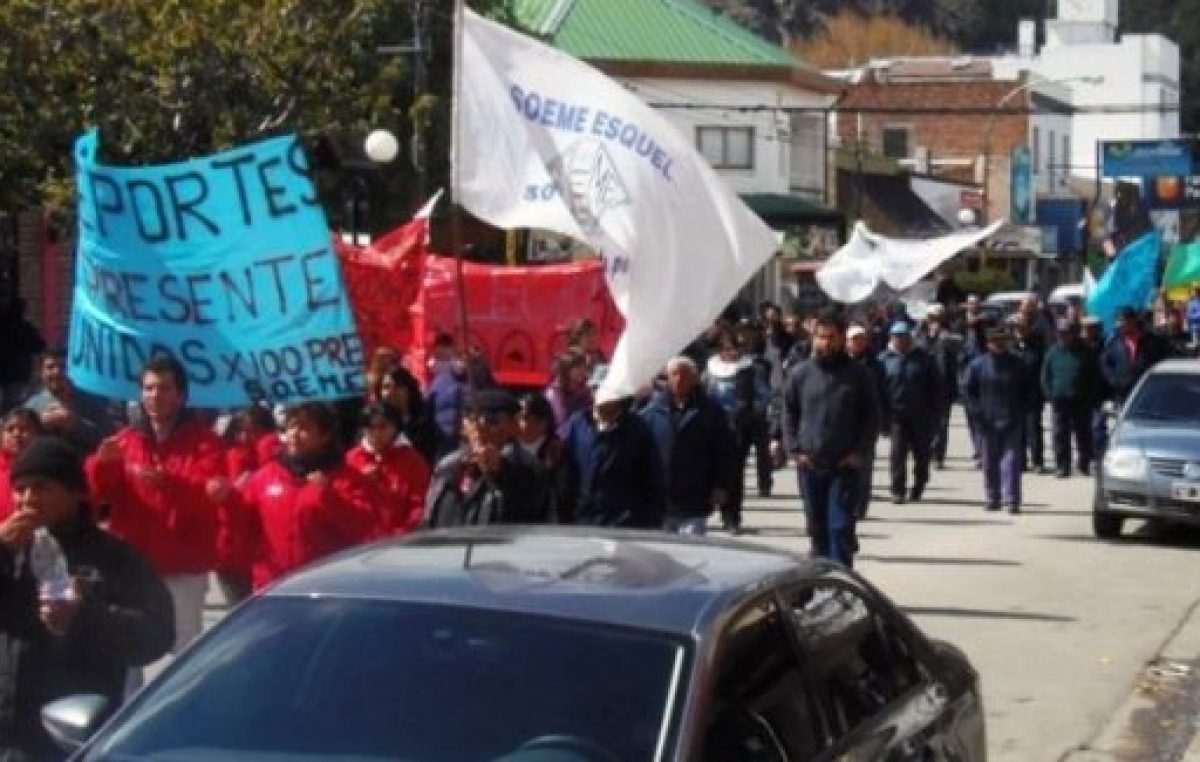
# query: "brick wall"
[[946, 135], [45, 278]]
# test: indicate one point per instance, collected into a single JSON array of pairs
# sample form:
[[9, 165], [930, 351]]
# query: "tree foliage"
[[851, 39], [169, 79]]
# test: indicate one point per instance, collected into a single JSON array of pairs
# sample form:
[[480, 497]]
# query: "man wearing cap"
[[695, 448], [1129, 354], [912, 398], [1030, 350], [994, 390], [945, 348], [489, 479], [1068, 380], [78, 607], [611, 467], [860, 350]]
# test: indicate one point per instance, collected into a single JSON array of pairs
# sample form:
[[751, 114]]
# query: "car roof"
[[649, 580], [1009, 296], [1177, 367]]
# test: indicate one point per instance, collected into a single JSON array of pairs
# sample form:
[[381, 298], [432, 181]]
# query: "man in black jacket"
[[695, 447], [831, 420], [912, 399], [611, 467], [78, 607], [945, 348], [489, 479], [1030, 349]]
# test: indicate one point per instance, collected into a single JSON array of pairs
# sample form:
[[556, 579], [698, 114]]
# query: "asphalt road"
[[1059, 624]]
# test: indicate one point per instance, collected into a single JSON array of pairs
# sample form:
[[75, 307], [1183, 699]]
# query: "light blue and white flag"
[[1130, 281], [224, 262], [546, 141]]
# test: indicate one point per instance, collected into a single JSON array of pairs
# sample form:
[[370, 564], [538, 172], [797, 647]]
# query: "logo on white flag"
[[588, 180]]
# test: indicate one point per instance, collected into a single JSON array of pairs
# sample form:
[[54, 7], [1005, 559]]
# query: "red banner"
[[383, 280], [518, 316]]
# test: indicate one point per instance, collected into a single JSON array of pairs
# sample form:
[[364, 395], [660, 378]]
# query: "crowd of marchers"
[[113, 517]]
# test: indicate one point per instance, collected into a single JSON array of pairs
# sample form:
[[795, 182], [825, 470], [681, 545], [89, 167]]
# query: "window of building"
[[896, 143], [1037, 149], [1051, 166], [727, 147]]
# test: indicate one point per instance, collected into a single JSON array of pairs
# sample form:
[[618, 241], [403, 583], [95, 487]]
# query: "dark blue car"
[[552, 644]]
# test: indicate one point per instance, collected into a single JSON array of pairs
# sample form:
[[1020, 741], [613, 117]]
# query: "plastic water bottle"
[[49, 566]]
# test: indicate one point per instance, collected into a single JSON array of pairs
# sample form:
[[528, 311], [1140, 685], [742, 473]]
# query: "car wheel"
[[1106, 526]]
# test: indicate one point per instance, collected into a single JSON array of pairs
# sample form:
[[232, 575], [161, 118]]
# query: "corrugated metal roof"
[[676, 31]]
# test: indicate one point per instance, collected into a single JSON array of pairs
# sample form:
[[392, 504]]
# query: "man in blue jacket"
[[1129, 354], [695, 447], [994, 390], [611, 466], [831, 421], [912, 399]]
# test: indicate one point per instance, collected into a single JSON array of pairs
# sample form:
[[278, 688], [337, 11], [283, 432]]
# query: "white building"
[[1139, 96]]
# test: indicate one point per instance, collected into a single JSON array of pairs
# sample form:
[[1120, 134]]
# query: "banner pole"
[[455, 208]]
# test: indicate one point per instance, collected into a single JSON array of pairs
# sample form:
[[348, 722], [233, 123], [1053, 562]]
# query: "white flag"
[[546, 141], [854, 271]]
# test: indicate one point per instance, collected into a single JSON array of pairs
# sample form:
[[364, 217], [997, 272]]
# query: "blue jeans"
[[696, 525], [1001, 450], [829, 503]]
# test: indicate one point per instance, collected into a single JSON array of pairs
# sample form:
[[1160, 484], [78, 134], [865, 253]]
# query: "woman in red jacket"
[[386, 457], [304, 505], [20, 426], [255, 442]]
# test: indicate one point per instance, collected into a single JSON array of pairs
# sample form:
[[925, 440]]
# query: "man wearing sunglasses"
[[488, 479]]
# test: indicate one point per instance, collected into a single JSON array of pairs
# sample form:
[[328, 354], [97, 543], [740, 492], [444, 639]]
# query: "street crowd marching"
[[112, 517]]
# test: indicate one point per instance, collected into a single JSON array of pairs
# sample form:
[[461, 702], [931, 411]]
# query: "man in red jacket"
[[162, 481]]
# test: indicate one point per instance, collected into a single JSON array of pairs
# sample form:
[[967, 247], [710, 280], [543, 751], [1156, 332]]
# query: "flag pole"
[[455, 208]]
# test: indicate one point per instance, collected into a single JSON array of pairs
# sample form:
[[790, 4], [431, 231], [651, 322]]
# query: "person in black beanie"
[[78, 607]]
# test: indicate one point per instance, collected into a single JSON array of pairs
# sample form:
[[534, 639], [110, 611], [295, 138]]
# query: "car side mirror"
[[72, 720]]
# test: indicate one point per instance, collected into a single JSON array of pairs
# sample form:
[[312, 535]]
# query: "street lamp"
[[991, 122]]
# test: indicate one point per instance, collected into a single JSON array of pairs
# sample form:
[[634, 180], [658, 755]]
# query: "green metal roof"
[[673, 31]]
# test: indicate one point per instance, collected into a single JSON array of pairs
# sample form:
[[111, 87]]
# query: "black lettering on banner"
[[248, 298], [303, 387], [298, 163], [273, 263], [131, 282], [173, 297], [311, 281], [272, 192], [233, 367], [201, 370], [187, 207], [270, 363], [356, 352], [280, 390], [160, 210], [237, 163], [199, 302], [115, 206], [110, 290], [255, 391]]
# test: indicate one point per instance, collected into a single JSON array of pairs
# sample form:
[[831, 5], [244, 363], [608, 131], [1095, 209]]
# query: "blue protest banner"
[[1129, 281], [226, 262]]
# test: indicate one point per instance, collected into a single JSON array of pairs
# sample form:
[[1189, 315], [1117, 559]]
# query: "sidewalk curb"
[[1115, 739]]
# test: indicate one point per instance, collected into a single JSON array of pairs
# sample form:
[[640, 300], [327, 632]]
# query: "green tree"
[[168, 79]]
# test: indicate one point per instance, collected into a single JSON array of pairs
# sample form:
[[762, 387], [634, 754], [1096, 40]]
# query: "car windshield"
[[305, 679], [1166, 398]]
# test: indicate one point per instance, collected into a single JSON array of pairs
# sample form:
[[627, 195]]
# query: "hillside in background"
[[838, 33]]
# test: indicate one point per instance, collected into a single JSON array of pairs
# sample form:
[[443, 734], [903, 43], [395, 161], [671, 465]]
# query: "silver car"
[[1151, 469]]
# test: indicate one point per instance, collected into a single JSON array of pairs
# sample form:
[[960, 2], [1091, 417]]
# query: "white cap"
[[856, 330], [606, 394]]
